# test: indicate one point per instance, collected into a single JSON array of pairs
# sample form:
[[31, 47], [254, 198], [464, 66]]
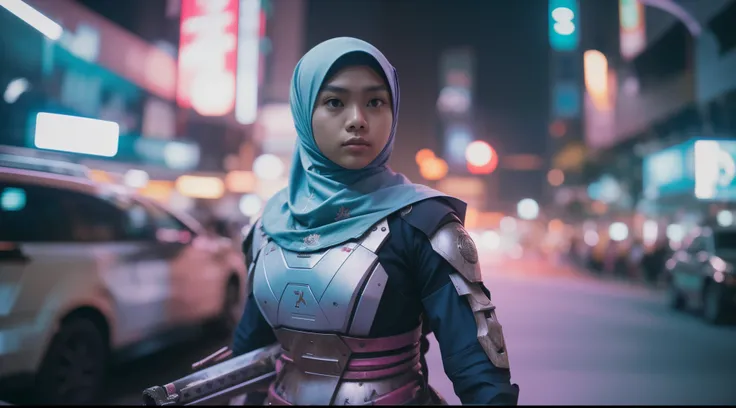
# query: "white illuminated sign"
[[564, 20], [76, 134], [714, 168], [246, 98]]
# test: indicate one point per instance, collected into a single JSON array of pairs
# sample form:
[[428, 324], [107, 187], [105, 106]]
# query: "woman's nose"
[[357, 120]]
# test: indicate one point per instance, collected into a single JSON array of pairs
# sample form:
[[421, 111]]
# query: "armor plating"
[[360, 371], [259, 239], [322, 305], [454, 244]]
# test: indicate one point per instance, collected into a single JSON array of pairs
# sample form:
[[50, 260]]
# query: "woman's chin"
[[352, 165], [350, 162]]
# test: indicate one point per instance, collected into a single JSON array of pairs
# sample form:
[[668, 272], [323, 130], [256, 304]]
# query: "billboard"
[[703, 168], [669, 171], [208, 56]]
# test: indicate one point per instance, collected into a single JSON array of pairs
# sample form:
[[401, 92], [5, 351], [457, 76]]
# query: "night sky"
[[510, 41]]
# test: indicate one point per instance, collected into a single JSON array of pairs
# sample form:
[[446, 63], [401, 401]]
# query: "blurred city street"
[[572, 340], [146, 144]]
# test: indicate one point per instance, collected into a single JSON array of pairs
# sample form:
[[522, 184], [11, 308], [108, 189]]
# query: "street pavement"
[[572, 339], [575, 340]]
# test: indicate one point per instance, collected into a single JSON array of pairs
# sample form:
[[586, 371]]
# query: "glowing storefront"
[[691, 176]]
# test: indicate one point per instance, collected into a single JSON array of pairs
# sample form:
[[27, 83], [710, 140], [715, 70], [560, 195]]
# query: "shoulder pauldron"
[[452, 242]]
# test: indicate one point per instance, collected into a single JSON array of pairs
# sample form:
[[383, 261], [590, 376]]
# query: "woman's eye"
[[375, 103], [333, 103]]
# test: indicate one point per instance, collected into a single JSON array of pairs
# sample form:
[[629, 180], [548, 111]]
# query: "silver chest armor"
[[321, 306], [335, 290]]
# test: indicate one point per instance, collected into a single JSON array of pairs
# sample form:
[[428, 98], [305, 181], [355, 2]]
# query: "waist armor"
[[321, 306]]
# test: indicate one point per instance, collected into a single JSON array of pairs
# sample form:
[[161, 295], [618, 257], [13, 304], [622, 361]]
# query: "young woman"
[[352, 265]]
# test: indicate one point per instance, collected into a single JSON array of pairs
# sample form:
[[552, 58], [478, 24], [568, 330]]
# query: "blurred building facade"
[[659, 98], [147, 66], [96, 69]]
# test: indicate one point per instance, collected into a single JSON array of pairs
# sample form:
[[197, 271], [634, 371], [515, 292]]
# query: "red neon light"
[[208, 56], [262, 28], [261, 54]]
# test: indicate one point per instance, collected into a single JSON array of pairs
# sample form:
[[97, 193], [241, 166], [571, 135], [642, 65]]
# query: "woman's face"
[[352, 117]]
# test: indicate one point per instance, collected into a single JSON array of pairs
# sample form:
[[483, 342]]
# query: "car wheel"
[[713, 311], [73, 370], [676, 299]]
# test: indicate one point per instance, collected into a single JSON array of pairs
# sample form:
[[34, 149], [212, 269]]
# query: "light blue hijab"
[[324, 203]]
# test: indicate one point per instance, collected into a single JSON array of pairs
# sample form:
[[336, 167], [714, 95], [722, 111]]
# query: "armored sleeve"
[[253, 330], [461, 315]]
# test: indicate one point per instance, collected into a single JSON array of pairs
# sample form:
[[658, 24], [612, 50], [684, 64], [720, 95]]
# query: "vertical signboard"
[[455, 105], [564, 32], [566, 93], [251, 29], [208, 56], [595, 65], [456, 78], [632, 28]]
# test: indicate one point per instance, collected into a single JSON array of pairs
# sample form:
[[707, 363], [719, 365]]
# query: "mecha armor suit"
[[352, 319]]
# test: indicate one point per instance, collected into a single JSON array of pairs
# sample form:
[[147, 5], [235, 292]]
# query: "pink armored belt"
[[389, 363]]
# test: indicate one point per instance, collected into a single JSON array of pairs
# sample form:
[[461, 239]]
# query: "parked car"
[[703, 275], [87, 269]]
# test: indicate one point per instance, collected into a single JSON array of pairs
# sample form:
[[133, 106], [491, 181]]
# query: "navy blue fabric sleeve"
[[474, 377], [253, 331]]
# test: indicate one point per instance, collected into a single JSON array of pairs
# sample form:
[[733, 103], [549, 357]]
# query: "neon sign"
[[564, 33], [208, 56]]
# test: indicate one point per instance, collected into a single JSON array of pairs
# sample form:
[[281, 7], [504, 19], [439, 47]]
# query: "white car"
[[87, 269]]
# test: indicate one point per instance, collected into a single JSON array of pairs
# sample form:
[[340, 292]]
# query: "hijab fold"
[[325, 204]]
